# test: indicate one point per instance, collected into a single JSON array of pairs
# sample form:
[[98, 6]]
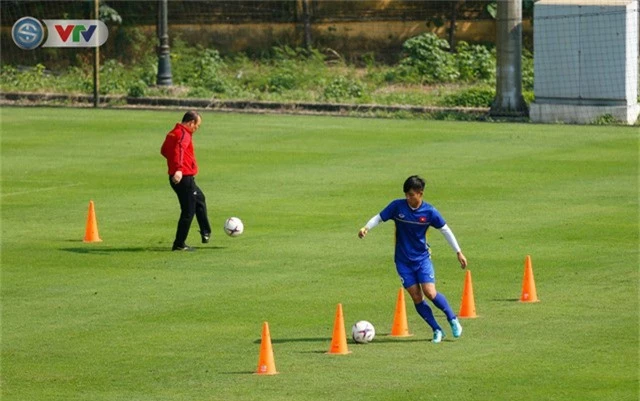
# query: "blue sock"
[[425, 312], [441, 303]]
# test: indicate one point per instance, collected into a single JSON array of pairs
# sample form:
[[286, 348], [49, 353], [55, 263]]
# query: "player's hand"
[[363, 232], [462, 260], [177, 177]]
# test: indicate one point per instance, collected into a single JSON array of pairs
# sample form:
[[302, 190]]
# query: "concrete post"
[[509, 100]]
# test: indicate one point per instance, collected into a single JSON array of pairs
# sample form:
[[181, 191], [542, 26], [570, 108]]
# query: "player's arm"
[[451, 239], [180, 150], [178, 156], [374, 221]]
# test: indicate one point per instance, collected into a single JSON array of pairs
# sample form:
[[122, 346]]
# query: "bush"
[[429, 57], [528, 96], [341, 88], [29, 79], [605, 119], [114, 77], [197, 67], [292, 75], [475, 62], [281, 81], [474, 97], [527, 71], [137, 89], [199, 92], [133, 45]]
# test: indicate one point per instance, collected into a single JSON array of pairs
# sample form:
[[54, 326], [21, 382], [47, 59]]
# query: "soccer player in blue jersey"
[[413, 217]]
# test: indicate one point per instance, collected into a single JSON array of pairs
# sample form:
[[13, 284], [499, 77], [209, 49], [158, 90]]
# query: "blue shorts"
[[416, 273]]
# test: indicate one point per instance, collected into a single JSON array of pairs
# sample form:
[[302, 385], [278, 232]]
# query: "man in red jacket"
[[181, 161]]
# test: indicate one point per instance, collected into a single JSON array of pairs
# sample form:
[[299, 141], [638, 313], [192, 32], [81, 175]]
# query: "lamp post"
[[164, 57], [96, 60], [306, 16]]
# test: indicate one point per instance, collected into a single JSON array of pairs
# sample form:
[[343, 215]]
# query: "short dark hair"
[[190, 115], [414, 182]]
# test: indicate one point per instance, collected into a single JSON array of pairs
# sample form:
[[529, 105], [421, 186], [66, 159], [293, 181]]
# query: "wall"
[[585, 60]]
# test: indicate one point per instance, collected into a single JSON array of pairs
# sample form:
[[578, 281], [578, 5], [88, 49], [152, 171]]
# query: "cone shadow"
[[295, 340], [101, 250]]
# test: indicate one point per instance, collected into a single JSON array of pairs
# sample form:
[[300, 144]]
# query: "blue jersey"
[[411, 229]]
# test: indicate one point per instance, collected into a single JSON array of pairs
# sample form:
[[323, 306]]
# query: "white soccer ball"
[[363, 332], [233, 226]]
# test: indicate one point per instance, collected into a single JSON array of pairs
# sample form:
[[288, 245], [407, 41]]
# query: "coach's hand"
[[177, 177]]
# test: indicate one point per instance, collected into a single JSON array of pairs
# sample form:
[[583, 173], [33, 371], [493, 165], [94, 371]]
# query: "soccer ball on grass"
[[363, 332], [233, 226]]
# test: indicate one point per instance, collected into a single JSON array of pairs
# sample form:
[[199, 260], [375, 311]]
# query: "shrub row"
[[429, 74]]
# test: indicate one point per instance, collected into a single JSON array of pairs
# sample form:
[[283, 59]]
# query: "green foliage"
[[289, 75], [109, 15], [471, 97], [197, 67], [199, 93], [428, 56], [428, 60], [138, 46], [39, 79], [281, 81], [148, 71], [527, 70], [114, 77], [343, 88], [292, 68], [287, 53], [528, 96], [137, 89], [406, 96], [475, 62], [605, 119], [30, 79]]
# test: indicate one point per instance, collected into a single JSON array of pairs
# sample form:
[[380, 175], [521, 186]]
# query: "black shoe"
[[184, 247], [205, 237]]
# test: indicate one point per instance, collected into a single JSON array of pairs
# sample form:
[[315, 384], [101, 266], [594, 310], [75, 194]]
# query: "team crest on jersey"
[[422, 219], [401, 216]]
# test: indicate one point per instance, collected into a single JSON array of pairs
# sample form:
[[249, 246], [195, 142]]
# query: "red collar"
[[186, 128]]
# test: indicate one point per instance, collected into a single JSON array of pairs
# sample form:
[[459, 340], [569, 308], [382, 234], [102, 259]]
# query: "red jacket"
[[178, 150]]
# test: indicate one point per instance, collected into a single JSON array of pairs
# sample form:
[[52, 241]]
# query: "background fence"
[[376, 52], [351, 28]]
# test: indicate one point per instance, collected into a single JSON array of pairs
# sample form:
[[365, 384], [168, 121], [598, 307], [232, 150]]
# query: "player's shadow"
[[386, 338], [246, 372], [99, 250]]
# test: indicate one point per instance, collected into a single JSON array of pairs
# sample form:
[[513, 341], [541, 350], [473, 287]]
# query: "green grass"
[[126, 319]]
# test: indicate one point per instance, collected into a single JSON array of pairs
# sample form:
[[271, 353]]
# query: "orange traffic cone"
[[468, 308], [400, 327], [528, 283], [91, 231], [339, 338], [266, 364]]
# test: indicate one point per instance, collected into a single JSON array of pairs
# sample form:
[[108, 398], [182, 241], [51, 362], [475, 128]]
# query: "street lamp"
[[164, 57]]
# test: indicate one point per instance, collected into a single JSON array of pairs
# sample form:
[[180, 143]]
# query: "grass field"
[[126, 319]]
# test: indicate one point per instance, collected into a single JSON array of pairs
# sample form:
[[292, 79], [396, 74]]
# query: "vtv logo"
[[77, 30], [75, 33]]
